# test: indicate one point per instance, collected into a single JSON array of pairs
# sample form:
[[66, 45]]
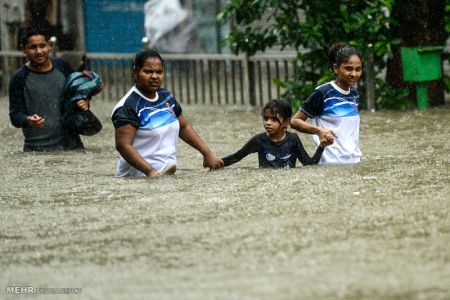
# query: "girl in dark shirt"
[[276, 147]]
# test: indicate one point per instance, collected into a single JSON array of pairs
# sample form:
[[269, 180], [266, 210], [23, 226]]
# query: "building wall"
[[117, 26], [210, 32], [113, 25]]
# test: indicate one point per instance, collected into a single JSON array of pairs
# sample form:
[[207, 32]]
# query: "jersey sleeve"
[[17, 111], [177, 108], [303, 156], [313, 105], [250, 147], [125, 115]]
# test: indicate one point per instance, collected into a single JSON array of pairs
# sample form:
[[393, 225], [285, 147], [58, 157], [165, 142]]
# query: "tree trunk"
[[420, 23]]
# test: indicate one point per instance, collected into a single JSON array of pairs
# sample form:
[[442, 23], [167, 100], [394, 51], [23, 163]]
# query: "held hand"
[[212, 162], [323, 145], [326, 137], [35, 121], [83, 105]]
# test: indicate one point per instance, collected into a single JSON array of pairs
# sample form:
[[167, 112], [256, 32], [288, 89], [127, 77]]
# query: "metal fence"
[[220, 79]]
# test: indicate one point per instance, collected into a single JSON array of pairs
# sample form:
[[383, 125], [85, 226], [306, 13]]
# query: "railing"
[[10, 61], [220, 79]]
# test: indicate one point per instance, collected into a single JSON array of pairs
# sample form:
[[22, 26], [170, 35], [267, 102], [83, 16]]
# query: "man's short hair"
[[32, 31]]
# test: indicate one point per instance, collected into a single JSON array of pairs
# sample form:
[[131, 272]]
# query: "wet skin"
[[37, 50], [275, 129], [348, 73], [150, 77]]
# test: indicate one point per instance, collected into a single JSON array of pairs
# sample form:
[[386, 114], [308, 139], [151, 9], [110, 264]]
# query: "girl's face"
[[274, 127], [349, 72], [150, 77]]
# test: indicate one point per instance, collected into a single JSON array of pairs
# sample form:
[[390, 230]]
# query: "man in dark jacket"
[[35, 96]]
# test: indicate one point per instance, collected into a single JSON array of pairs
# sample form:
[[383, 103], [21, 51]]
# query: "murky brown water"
[[376, 230]]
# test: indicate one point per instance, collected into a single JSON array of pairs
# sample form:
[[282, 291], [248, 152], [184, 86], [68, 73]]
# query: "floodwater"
[[376, 230]]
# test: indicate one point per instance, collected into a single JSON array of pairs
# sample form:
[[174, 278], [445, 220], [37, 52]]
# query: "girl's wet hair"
[[139, 59], [339, 53], [280, 108]]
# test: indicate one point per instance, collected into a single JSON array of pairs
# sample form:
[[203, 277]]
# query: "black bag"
[[82, 122]]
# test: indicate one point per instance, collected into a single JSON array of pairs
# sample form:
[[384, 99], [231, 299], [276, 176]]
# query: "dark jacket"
[[82, 85]]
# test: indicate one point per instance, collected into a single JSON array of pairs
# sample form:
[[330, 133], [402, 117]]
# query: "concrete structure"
[[114, 26]]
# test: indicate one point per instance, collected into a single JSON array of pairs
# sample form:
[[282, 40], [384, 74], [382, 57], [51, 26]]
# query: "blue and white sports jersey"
[[329, 106], [156, 121]]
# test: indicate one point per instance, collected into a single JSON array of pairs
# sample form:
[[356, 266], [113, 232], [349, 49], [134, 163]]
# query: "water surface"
[[376, 230]]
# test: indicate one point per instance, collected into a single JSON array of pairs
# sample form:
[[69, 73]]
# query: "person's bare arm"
[[191, 137], [326, 135], [124, 137]]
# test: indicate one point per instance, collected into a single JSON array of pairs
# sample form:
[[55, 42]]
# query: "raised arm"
[[191, 137]]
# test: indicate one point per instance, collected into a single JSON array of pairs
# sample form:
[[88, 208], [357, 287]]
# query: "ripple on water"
[[376, 229]]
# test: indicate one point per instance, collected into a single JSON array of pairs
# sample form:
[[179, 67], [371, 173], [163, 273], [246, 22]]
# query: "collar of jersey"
[[333, 84], [146, 98]]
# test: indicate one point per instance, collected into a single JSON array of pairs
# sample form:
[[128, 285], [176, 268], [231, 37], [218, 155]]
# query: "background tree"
[[419, 23], [309, 27]]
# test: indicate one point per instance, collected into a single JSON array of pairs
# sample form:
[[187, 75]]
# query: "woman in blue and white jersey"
[[334, 109], [148, 121]]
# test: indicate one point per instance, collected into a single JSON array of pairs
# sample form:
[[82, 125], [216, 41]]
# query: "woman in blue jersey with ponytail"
[[148, 122], [333, 108]]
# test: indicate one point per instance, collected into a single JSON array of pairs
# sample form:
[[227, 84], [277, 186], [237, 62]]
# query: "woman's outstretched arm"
[[191, 137]]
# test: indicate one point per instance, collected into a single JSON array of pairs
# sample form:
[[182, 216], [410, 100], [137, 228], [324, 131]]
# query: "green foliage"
[[447, 16], [447, 83], [310, 27], [390, 97], [446, 56]]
